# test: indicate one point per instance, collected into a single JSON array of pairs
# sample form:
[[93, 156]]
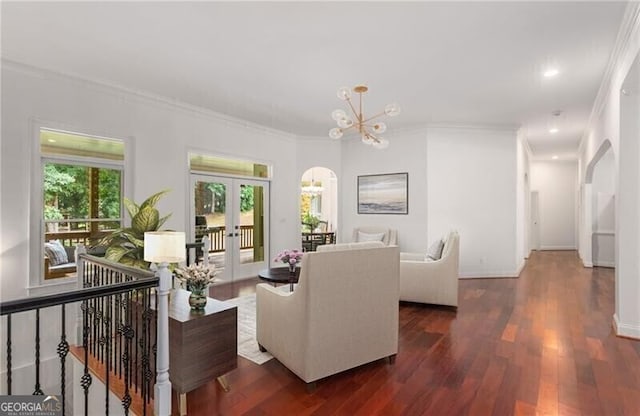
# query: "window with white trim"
[[82, 192]]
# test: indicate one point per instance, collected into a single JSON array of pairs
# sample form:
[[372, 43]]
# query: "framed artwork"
[[383, 194]]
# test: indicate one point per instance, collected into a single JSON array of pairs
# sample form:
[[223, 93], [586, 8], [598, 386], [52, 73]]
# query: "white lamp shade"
[[164, 246]]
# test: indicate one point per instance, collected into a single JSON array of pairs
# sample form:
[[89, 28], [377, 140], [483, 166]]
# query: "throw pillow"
[[56, 253], [370, 237], [434, 252]]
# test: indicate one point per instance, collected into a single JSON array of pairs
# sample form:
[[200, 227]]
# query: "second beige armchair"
[[431, 281], [388, 236]]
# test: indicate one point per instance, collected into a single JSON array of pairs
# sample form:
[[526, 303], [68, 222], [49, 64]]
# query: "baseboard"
[[587, 264], [490, 274], [599, 263], [557, 248], [522, 264], [625, 330]]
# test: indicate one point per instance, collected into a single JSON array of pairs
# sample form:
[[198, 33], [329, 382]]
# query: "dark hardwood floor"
[[541, 344]]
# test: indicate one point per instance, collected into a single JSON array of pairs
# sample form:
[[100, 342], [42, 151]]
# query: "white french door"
[[234, 213]]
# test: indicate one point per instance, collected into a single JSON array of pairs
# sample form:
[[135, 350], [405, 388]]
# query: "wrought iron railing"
[[117, 323]]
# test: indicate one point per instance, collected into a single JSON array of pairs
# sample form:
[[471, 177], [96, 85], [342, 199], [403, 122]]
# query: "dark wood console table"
[[202, 346]]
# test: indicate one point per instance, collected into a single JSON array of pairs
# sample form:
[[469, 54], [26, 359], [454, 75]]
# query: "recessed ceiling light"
[[551, 72], [553, 130], [51, 140], [554, 157]]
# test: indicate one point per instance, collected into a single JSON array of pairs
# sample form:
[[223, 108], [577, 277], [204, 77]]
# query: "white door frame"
[[234, 269], [534, 240]]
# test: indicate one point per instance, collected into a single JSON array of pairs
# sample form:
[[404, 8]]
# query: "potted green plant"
[[311, 220], [126, 245]]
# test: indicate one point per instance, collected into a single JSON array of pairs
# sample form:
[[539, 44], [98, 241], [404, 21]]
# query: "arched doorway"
[[598, 201], [603, 211], [318, 207]]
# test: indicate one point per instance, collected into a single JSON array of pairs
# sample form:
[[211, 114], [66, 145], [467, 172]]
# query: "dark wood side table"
[[202, 346], [280, 275]]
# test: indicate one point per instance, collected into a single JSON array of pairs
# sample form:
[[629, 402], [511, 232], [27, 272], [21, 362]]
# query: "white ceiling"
[[280, 64]]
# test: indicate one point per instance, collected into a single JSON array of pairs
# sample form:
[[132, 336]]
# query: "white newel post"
[[162, 392], [162, 248], [80, 249], [205, 250]]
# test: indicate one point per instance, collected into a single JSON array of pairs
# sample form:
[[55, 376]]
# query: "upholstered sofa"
[[343, 313], [431, 281], [388, 236], [59, 270], [62, 269]]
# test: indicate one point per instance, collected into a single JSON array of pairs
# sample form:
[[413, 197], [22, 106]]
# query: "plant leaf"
[[162, 220], [116, 253], [132, 207], [145, 220], [153, 199], [137, 242]]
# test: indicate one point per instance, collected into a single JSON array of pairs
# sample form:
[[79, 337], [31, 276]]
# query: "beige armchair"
[[342, 314], [435, 281], [389, 236]]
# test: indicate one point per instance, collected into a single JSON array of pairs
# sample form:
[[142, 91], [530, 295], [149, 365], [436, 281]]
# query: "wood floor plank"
[[541, 344]]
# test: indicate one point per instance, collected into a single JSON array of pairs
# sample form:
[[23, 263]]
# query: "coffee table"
[[280, 275]]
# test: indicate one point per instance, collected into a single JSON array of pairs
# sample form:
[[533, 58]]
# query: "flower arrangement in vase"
[[197, 277], [290, 257]]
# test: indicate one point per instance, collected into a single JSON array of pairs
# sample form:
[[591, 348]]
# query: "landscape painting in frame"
[[383, 194]]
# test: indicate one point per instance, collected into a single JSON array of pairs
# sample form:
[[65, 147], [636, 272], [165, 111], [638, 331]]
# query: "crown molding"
[[128, 93], [509, 127], [628, 32]]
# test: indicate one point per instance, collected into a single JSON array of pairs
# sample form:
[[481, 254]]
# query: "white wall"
[[556, 182], [606, 125], [161, 134], [471, 176], [459, 178], [627, 315], [406, 153], [523, 191]]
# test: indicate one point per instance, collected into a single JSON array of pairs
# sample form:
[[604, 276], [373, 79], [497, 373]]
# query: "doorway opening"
[[598, 201], [318, 207]]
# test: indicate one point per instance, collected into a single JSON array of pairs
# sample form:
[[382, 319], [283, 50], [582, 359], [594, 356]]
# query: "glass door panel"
[[252, 228], [232, 213], [212, 218]]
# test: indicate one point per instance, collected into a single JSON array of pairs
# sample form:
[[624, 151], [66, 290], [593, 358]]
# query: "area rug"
[[247, 344]]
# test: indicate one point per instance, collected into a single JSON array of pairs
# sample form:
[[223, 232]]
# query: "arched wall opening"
[[601, 175], [319, 200], [589, 201]]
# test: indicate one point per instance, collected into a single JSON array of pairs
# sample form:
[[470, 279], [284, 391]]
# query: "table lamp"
[[162, 248]]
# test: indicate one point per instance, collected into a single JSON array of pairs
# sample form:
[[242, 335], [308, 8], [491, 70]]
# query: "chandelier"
[[367, 127], [314, 188]]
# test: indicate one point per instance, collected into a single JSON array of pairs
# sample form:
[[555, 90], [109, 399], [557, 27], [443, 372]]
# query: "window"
[[222, 166], [82, 190]]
